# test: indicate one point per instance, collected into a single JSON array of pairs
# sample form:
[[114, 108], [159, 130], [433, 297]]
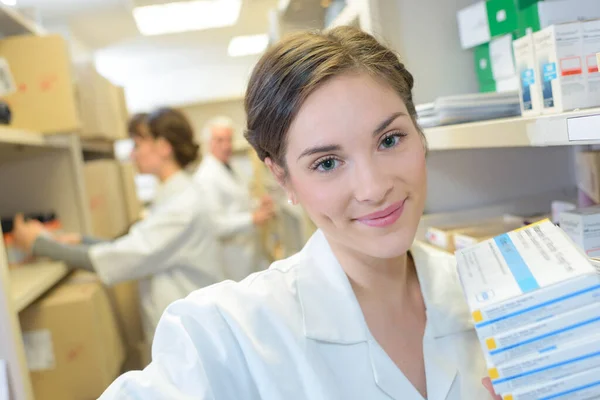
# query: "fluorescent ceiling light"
[[248, 45], [183, 16], [9, 2]]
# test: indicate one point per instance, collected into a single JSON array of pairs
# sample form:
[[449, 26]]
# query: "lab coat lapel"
[[441, 372], [388, 376], [225, 177]]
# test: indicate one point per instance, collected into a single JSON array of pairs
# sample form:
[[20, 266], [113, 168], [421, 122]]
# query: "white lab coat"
[[232, 212], [296, 332], [172, 252]]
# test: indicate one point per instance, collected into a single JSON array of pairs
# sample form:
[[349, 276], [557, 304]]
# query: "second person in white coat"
[[234, 213], [174, 250]]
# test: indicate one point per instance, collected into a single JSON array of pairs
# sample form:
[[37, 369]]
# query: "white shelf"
[[566, 129], [13, 23], [29, 282]]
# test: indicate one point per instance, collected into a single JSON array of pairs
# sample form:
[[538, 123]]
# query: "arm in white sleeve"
[[228, 224], [150, 246], [75, 256], [195, 355]]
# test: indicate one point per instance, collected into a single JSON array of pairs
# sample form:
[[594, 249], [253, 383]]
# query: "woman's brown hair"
[[291, 70], [173, 126]]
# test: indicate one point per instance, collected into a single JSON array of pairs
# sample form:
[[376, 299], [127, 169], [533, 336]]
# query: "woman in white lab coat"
[[174, 250], [358, 313]]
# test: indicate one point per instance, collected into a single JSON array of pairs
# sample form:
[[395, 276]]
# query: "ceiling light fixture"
[[184, 16], [248, 45]]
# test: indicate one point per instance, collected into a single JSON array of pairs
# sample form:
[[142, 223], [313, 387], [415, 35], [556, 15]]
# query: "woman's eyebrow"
[[320, 149], [387, 122]]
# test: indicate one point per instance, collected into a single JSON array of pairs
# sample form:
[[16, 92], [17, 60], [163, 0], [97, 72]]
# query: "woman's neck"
[[390, 280], [168, 171]]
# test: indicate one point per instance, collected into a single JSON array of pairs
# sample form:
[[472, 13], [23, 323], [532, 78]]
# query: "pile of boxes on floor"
[[535, 301], [80, 336], [552, 60]]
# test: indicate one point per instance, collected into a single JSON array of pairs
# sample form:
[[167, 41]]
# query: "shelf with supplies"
[[29, 282], [17, 144], [14, 23], [580, 127]]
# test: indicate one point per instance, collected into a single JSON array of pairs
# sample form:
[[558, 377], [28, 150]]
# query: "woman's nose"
[[371, 184]]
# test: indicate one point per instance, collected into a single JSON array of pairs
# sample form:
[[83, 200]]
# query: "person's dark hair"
[[173, 126], [291, 70], [133, 128]]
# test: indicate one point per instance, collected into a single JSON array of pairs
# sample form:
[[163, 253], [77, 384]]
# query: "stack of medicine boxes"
[[535, 301]]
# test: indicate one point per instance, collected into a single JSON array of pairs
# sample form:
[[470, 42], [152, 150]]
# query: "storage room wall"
[[432, 53]]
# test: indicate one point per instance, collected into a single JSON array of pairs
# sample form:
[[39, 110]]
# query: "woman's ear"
[[165, 148], [277, 171], [281, 178]]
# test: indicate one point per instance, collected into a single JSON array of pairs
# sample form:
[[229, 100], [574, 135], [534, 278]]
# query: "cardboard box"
[[72, 343], [530, 92], [45, 100], [591, 46], [132, 201], [549, 333], [559, 60], [583, 227], [582, 386], [542, 367], [587, 166], [104, 190], [546, 13], [520, 277], [101, 105], [479, 23]]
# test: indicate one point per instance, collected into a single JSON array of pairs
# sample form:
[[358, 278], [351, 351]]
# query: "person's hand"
[[25, 233], [264, 213], [487, 383], [68, 238]]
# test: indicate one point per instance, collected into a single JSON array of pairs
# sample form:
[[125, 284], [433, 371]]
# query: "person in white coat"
[[233, 210], [361, 312], [174, 251]]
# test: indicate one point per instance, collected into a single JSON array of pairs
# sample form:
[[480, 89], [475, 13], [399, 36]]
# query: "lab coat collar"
[[175, 184], [447, 310], [330, 309], [339, 318]]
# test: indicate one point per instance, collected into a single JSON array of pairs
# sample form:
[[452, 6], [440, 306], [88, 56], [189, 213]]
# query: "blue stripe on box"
[[516, 264]]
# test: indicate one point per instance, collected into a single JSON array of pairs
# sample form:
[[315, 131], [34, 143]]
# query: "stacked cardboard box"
[[72, 342], [535, 301]]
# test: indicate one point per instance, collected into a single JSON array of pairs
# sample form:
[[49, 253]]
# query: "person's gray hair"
[[216, 122]]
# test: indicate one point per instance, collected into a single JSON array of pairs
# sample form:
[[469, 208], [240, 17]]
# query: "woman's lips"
[[385, 217]]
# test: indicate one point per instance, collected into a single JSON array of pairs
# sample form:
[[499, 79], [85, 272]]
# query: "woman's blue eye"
[[390, 141], [327, 165]]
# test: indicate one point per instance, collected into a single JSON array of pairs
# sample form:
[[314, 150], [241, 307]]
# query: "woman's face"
[[146, 153], [356, 162]]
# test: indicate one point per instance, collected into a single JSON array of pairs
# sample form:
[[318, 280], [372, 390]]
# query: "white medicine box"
[[591, 46], [530, 92], [560, 65], [583, 227]]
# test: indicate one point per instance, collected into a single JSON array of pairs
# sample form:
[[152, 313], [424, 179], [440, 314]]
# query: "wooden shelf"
[[29, 282], [13, 23], [99, 146], [568, 129], [17, 144]]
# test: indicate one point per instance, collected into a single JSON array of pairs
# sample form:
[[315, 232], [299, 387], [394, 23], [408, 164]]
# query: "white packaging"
[[559, 62], [473, 25], [591, 46], [583, 227], [507, 85], [561, 11], [530, 93], [543, 335], [501, 55], [582, 386], [524, 276], [567, 359]]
